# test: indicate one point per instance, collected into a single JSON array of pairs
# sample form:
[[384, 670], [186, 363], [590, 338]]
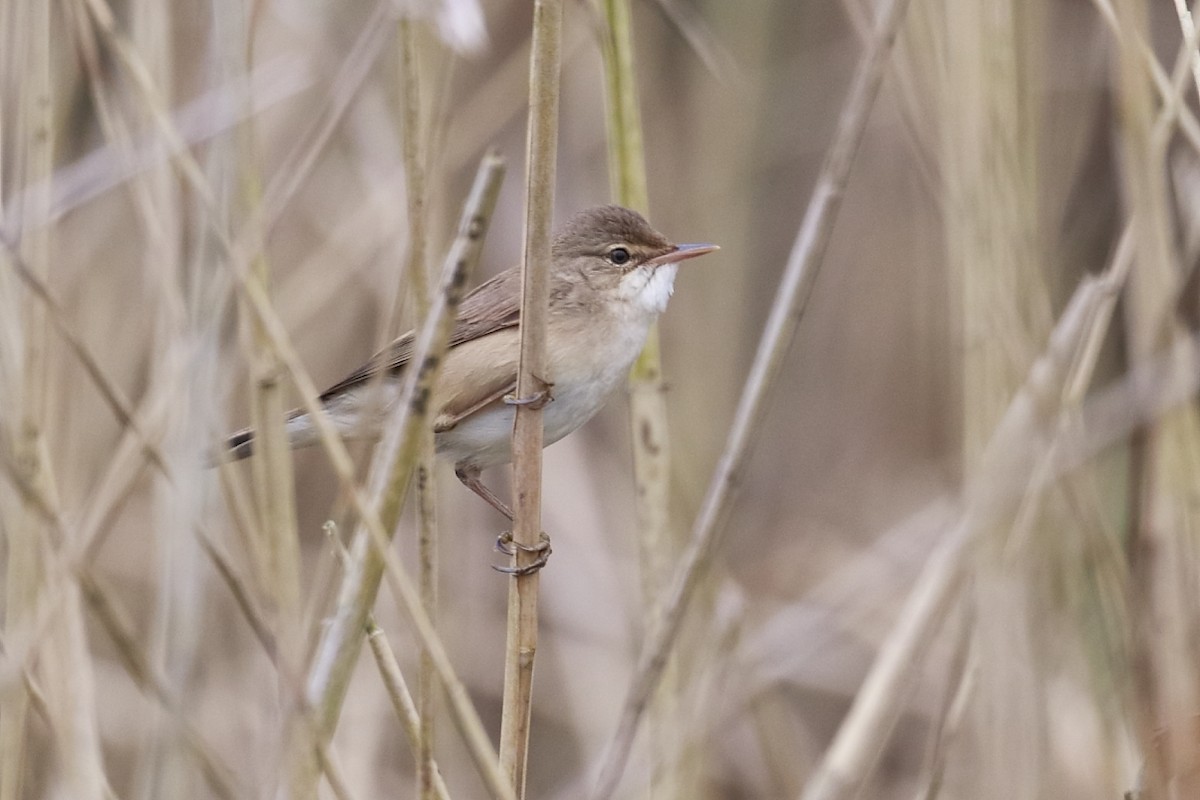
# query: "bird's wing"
[[493, 306], [476, 375]]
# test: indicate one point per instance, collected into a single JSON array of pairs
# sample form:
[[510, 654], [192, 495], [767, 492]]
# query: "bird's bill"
[[682, 252]]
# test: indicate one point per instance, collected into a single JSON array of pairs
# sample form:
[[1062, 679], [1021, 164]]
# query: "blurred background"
[[1010, 146]]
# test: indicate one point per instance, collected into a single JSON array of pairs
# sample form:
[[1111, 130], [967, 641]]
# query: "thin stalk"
[[412, 126], [418, 279], [541, 154], [988, 124], [1164, 520], [31, 582], [650, 433], [406, 711], [427, 564], [277, 548], [791, 300], [273, 473], [23, 363]]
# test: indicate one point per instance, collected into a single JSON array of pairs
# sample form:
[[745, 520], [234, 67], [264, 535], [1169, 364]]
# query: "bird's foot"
[[505, 544], [543, 395]]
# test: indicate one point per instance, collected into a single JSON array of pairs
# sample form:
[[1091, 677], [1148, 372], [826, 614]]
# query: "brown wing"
[[475, 375], [490, 307]]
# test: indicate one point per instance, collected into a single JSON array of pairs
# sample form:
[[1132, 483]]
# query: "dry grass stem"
[[275, 550], [1166, 456], [650, 432], [541, 157], [412, 132], [794, 291], [24, 396], [406, 710]]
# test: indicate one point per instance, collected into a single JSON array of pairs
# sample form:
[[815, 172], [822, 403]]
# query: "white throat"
[[650, 287]]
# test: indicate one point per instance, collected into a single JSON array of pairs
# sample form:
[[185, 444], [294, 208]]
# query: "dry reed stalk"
[[488, 107], [410, 718], [172, 635], [909, 61], [650, 433], [278, 551], [33, 545], [20, 526], [412, 131], [794, 291], [989, 177], [988, 116], [1164, 526], [541, 154], [275, 551]]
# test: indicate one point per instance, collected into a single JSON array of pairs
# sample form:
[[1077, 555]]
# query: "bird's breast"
[[587, 361]]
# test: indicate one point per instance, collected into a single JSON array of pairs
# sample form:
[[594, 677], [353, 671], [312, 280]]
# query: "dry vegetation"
[[940, 543]]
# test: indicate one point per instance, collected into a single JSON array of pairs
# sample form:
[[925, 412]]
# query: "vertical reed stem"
[[541, 154], [419, 281], [647, 392]]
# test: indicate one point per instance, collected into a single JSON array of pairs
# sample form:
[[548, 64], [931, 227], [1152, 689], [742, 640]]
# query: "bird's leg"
[[470, 479], [504, 542]]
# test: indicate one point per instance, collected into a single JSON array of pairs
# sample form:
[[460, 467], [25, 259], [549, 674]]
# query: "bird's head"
[[613, 252]]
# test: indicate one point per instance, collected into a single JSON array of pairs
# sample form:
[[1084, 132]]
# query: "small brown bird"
[[611, 275]]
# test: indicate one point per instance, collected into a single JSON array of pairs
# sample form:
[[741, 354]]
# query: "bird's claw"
[[507, 545], [537, 400]]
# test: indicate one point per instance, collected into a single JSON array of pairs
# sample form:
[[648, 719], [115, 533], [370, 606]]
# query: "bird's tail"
[[240, 445]]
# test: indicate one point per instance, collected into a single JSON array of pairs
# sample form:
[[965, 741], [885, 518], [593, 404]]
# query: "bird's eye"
[[619, 256]]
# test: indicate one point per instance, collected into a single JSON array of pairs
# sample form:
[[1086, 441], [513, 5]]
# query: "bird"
[[611, 275]]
